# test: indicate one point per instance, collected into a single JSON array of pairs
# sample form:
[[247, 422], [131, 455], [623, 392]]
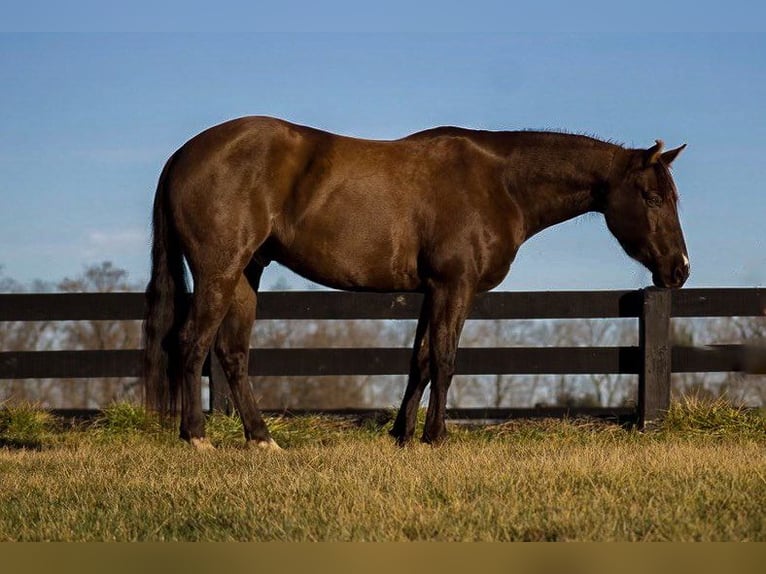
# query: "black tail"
[[166, 303]]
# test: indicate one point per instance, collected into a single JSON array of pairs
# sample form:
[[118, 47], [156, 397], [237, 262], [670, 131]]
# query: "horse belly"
[[350, 221], [362, 257]]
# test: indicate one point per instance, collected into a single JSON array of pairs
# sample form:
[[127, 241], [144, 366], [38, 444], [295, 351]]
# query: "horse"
[[442, 212]]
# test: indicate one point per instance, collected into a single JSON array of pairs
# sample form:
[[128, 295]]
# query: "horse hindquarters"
[[218, 261]]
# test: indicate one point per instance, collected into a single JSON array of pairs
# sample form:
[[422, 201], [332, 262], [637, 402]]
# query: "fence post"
[[220, 398], [655, 348]]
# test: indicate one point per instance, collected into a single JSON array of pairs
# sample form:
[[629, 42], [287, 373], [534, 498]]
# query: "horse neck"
[[555, 179]]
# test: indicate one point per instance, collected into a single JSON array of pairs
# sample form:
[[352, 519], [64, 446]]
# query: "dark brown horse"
[[441, 212]]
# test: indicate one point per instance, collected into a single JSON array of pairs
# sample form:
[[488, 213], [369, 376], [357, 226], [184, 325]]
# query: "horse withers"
[[442, 212]]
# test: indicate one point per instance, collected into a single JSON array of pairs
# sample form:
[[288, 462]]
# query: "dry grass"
[[532, 480]]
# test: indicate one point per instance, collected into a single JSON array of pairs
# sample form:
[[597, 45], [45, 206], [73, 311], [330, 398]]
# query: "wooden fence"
[[652, 360]]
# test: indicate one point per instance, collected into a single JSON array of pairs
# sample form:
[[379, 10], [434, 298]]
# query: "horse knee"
[[232, 359], [442, 368], [193, 351]]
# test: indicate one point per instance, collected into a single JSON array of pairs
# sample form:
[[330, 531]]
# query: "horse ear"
[[654, 153], [672, 154]]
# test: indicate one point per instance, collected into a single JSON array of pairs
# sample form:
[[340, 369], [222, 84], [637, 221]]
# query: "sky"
[[87, 121]]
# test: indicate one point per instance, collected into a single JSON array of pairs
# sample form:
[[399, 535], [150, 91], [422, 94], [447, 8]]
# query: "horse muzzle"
[[673, 274]]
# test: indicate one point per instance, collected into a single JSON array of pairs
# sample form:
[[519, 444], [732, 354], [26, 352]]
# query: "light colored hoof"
[[202, 444], [268, 445]]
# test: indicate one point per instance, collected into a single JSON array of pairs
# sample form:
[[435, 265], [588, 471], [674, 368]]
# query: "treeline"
[[375, 391]]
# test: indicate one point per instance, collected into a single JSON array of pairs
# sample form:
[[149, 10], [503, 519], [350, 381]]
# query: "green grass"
[[25, 426], [717, 418], [701, 476]]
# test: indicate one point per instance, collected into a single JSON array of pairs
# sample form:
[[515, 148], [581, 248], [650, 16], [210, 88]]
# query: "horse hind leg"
[[215, 280], [208, 306], [232, 347]]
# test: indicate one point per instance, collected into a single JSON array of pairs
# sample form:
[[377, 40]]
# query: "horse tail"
[[166, 307]]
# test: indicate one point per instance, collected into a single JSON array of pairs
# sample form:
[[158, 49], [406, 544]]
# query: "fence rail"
[[652, 360]]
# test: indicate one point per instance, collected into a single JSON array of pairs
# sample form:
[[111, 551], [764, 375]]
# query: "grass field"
[[702, 476]]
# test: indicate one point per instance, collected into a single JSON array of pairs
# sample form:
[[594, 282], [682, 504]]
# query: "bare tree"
[[500, 390], [97, 335], [600, 389], [739, 387], [26, 336], [325, 391], [528, 390]]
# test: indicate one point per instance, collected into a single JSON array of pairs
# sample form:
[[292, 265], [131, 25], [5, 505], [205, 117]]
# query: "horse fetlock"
[[434, 437], [269, 445], [400, 435], [201, 444]]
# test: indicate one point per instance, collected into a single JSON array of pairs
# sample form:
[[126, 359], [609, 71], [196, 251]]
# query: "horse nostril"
[[681, 272]]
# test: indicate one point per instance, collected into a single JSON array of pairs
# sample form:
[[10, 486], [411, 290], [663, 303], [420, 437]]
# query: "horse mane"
[[586, 136], [546, 136]]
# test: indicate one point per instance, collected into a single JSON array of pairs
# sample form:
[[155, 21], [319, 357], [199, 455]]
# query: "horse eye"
[[653, 199]]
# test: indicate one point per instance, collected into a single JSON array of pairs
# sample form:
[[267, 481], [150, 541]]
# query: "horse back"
[[347, 212]]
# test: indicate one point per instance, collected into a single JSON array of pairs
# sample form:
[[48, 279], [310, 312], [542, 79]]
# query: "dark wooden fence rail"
[[652, 360]]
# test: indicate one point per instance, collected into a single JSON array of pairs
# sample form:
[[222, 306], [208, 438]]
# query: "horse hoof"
[[269, 445], [402, 441], [437, 441], [202, 444]]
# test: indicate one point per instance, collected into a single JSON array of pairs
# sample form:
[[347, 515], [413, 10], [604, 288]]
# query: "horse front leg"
[[449, 309]]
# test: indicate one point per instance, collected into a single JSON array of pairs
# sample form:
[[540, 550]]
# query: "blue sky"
[[87, 121]]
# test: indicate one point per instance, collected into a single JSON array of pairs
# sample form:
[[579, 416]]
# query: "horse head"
[[641, 211]]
